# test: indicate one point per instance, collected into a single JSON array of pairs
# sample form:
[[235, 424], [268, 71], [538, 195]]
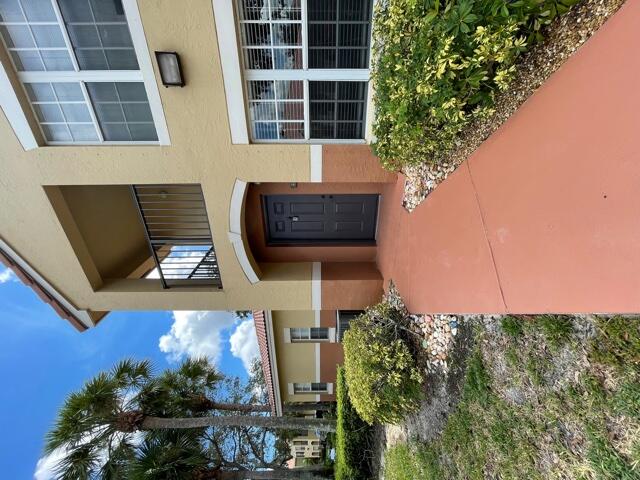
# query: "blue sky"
[[43, 359]]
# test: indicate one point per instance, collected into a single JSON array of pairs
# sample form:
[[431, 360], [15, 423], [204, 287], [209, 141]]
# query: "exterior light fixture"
[[170, 69]]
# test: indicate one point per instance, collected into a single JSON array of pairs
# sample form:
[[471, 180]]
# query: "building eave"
[[81, 320], [264, 330]]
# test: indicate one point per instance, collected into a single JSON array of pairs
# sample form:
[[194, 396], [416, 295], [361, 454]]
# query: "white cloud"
[[244, 343], [7, 275], [46, 466], [196, 334]]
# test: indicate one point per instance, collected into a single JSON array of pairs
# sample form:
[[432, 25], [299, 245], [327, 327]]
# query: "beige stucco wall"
[[200, 152], [296, 361]]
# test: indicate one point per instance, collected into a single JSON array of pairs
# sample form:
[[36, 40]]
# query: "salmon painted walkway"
[[545, 215]]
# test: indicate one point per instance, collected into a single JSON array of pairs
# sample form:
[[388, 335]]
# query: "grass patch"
[[556, 328], [618, 344], [626, 400], [477, 383], [534, 371], [352, 438], [513, 326], [584, 426], [607, 462], [405, 462]]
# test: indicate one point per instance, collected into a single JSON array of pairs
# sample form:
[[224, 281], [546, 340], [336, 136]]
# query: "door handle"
[[293, 219]]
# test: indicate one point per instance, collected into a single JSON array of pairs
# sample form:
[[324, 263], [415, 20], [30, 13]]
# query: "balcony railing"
[[343, 321], [177, 228]]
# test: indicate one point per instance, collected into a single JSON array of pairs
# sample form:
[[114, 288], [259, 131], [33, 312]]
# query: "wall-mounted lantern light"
[[170, 69]]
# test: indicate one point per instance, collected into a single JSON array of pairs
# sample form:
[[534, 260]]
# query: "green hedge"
[[353, 437], [438, 64], [384, 381]]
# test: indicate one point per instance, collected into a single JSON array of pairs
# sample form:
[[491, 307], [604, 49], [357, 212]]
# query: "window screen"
[[32, 35], [123, 111], [310, 387], [62, 111], [276, 109], [309, 334], [339, 33], [99, 34], [337, 109], [271, 32]]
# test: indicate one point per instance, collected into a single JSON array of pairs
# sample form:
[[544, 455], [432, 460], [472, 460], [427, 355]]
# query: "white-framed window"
[[306, 68], [309, 334], [85, 69], [311, 388]]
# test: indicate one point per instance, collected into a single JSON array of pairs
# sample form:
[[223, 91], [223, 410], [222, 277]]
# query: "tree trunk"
[[207, 404], [201, 403], [239, 407], [304, 407], [283, 473], [276, 423]]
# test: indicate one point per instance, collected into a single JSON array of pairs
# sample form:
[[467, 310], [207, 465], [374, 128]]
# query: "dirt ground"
[[442, 391]]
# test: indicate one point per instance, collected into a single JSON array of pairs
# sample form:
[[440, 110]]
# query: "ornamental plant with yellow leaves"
[[438, 64], [384, 382]]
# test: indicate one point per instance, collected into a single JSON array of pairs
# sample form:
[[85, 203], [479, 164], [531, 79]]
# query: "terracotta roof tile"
[[29, 281], [260, 322]]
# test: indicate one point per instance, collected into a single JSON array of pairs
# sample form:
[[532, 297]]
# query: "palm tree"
[[281, 473], [131, 417], [169, 455]]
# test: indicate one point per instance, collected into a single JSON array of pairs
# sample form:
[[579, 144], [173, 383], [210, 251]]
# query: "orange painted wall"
[[331, 354], [352, 163], [350, 286]]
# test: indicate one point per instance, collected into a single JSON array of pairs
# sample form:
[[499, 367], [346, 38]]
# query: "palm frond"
[[169, 455], [119, 459], [131, 373], [78, 464], [199, 370]]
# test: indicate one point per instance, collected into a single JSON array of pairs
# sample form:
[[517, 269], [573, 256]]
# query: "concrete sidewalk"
[[545, 215]]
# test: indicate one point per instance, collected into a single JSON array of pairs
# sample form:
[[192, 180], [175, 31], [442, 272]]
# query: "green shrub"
[[352, 438], [384, 382], [438, 64]]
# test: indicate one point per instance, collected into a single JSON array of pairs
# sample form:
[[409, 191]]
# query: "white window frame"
[[145, 75], [331, 336], [236, 78], [299, 388]]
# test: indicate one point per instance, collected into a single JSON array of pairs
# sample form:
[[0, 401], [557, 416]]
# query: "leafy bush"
[[438, 64], [384, 382], [352, 437]]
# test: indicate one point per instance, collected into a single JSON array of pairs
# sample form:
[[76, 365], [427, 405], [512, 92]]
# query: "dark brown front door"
[[320, 219]]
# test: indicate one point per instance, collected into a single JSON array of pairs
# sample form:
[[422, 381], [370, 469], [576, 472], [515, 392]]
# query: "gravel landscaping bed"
[[441, 343], [562, 38]]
